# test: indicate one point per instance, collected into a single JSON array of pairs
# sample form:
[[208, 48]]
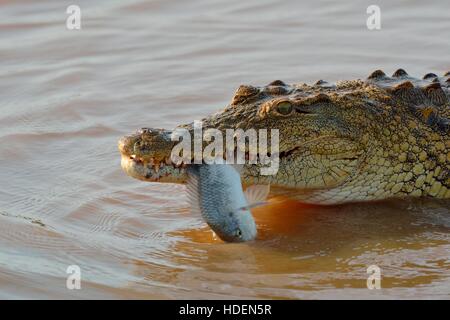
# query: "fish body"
[[215, 190]]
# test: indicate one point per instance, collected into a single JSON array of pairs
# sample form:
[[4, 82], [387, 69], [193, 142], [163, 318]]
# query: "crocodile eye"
[[284, 108]]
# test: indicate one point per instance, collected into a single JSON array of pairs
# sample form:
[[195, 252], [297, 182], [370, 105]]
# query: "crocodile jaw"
[[150, 164], [151, 172]]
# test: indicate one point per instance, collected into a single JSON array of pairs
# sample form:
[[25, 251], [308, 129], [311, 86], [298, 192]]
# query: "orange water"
[[67, 96]]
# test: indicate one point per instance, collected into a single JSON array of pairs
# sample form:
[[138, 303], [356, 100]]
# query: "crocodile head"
[[349, 141]]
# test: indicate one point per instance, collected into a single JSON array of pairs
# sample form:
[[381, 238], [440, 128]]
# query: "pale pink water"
[[67, 96]]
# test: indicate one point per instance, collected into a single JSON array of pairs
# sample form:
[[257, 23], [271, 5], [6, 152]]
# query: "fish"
[[215, 191]]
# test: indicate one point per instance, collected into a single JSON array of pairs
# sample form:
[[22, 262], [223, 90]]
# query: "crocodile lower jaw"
[[157, 171]]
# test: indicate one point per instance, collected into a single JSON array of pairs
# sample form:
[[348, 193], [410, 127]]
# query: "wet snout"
[[147, 143]]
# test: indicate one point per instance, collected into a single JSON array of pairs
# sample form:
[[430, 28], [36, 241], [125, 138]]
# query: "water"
[[67, 96]]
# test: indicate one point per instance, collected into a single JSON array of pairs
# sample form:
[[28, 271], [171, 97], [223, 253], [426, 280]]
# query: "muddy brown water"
[[67, 96]]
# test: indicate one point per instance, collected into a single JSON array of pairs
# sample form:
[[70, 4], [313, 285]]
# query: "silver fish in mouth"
[[215, 190]]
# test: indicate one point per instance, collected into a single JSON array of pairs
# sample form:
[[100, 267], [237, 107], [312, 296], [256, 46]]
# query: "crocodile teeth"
[[155, 164]]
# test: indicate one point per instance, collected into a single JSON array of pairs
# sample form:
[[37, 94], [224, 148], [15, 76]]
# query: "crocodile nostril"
[[145, 130]]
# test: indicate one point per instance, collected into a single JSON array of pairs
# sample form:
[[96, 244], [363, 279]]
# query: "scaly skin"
[[384, 137]]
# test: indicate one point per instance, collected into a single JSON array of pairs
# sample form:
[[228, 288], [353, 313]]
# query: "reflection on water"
[[67, 96]]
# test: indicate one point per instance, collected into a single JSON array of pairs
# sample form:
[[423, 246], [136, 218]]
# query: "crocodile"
[[357, 140]]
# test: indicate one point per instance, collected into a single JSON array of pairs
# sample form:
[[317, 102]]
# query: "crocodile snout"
[[146, 155]]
